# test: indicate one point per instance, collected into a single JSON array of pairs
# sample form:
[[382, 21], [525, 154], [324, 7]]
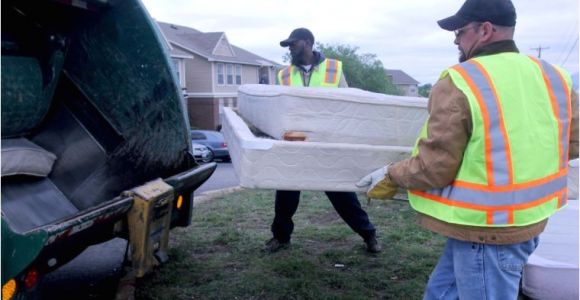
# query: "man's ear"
[[487, 30]]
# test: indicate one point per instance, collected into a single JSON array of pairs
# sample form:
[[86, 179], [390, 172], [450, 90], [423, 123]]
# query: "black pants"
[[346, 205]]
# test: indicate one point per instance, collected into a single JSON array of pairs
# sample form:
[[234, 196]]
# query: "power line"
[[540, 50], [569, 36], [569, 52]]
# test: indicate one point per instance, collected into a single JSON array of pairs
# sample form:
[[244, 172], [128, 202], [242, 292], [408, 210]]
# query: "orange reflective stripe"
[[554, 103], [486, 123], [507, 150], [284, 74], [511, 187], [331, 71], [289, 78], [327, 69]]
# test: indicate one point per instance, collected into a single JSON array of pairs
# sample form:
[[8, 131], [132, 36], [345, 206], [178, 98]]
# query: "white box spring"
[[552, 270], [272, 164], [345, 115]]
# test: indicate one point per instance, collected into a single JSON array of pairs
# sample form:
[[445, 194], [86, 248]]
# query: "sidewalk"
[[209, 195]]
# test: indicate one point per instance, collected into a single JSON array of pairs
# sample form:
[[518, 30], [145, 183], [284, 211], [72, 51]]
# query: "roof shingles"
[[400, 77], [203, 44]]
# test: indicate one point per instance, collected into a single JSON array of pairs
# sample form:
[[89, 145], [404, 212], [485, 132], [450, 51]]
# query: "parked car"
[[201, 153], [214, 141]]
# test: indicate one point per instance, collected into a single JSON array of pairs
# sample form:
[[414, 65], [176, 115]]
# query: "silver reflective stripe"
[[331, 69], [500, 217], [500, 167], [286, 76], [491, 198], [562, 100]]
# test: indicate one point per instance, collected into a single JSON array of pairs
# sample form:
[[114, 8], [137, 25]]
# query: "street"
[[95, 273], [223, 177]]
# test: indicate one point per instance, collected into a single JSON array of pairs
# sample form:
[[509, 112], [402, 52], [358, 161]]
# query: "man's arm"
[[440, 154]]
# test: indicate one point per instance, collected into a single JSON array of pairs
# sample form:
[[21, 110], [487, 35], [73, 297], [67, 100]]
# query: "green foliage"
[[219, 257], [424, 90], [363, 71]]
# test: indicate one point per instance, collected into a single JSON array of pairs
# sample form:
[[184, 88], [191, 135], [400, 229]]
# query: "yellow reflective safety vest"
[[327, 74], [514, 167]]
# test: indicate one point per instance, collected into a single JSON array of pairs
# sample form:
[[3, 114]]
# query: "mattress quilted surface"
[[345, 115], [266, 163]]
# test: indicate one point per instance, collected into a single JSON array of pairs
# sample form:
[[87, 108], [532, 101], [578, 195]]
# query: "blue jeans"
[[468, 270]]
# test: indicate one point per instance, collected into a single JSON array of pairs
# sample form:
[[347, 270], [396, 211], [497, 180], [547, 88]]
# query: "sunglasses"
[[459, 32]]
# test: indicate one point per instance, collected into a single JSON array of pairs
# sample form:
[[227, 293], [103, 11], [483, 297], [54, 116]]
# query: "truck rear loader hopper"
[[95, 140]]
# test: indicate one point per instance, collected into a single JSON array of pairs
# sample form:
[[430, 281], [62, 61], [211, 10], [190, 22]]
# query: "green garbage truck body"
[[91, 115]]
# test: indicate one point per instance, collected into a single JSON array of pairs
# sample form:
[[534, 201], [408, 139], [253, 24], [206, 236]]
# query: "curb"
[[210, 195]]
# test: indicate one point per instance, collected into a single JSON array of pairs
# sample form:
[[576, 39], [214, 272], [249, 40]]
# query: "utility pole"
[[539, 49]]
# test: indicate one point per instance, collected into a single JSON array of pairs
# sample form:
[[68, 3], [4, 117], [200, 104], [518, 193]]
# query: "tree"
[[363, 71], [424, 90]]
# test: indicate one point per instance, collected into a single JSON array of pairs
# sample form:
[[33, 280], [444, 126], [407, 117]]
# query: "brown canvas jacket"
[[440, 156]]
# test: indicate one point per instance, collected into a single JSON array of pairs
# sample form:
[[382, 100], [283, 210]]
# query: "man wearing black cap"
[[490, 166], [311, 68], [308, 63]]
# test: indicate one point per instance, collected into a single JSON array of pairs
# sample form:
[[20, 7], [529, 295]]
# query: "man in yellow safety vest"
[[310, 68], [490, 166]]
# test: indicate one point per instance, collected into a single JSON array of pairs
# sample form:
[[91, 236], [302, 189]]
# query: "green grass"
[[219, 256]]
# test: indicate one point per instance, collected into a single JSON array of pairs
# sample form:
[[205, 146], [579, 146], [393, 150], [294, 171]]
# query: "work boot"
[[373, 245], [274, 245]]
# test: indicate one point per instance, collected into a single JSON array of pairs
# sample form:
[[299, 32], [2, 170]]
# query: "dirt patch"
[[327, 217]]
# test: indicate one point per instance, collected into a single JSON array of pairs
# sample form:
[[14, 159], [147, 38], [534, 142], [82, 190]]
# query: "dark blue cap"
[[296, 35], [498, 12]]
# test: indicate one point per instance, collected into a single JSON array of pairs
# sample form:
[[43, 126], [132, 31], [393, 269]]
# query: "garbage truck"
[[95, 137]]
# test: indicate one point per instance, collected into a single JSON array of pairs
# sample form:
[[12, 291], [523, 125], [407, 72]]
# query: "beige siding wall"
[[223, 49], [198, 75], [250, 74], [408, 90], [227, 88]]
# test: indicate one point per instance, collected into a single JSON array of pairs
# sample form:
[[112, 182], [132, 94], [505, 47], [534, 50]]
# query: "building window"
[[179, 68], [220, 73], [230, 73], [238, 74]]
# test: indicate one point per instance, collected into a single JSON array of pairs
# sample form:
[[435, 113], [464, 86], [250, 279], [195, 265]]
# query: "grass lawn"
[[219, 256]]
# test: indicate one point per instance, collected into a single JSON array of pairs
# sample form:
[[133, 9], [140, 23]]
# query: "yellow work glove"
[[379, 186]]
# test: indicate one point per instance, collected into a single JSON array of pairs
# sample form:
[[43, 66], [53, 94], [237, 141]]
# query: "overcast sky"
[[403, 33]]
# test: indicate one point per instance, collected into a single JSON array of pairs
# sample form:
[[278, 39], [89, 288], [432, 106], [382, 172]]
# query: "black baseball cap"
[[296, 35], [498, 12]]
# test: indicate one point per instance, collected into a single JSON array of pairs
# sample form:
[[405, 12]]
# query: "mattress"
[[552, 270], [345, 115], [266, 163], [573, 179]]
